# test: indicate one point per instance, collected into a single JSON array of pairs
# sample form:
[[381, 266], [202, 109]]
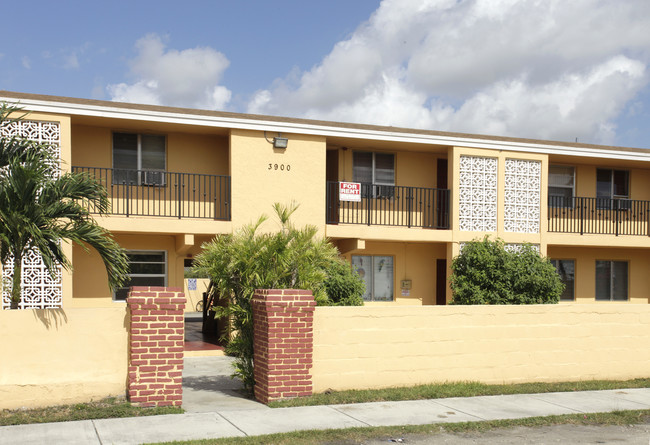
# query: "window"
[[138, 159], [611, 280], [561, 185], [612, 189], [376, 173], [377, 274], [147, 268], [566, 270]]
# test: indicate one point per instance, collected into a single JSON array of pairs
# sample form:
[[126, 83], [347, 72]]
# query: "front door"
[[331, 178], [441, 282], [442, 204]]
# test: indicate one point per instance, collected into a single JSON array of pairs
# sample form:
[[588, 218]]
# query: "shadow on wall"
[[54, 317]]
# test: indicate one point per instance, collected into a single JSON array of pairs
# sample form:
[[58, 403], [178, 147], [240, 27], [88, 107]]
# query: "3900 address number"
[[281, 167]]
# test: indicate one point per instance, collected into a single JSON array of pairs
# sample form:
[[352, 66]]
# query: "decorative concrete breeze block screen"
[[510, 247], [478, 194], [522, 191], [39, 289]]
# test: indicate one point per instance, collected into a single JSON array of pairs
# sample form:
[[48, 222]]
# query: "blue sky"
[[551, 70]]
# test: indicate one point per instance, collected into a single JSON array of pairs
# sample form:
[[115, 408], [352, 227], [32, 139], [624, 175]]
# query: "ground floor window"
[[377, 274], [147, 268], [566, 270], [611, 280]]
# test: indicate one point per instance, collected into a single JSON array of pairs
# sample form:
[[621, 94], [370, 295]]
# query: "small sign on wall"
[[191, 284], [350, 191]]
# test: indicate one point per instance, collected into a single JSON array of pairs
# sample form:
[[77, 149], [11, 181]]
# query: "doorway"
[[441, 282], [331, 178]]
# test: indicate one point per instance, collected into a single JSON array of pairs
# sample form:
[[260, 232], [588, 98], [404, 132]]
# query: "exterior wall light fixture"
[[278, 142]]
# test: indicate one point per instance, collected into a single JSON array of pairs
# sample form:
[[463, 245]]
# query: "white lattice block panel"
[[478, 194], [46, 133], [516, 247], [40, 290], [522, 192]]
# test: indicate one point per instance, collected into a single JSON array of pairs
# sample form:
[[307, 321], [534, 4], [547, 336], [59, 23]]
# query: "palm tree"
[[39, 207]]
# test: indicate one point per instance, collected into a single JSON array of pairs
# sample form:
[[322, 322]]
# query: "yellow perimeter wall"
[[375, 347], [56, 356]]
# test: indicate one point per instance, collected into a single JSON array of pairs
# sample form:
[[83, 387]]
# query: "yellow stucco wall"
[[90, 286], [186, 153], [196, 295], [585, 176], [585, 274], [62, 356], [262, 176], [412, 169], [375, 347]]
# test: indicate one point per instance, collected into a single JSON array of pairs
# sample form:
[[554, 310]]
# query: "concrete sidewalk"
[[263, 420]]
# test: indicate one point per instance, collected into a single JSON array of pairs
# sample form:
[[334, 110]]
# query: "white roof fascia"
[[319, 130]]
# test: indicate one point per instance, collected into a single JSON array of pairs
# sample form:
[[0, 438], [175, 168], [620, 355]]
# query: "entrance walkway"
[[198, 344], [207, 386]]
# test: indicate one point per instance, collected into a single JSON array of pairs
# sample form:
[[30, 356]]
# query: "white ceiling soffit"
[[320, 130]]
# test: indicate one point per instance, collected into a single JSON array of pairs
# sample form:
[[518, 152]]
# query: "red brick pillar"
[[283, 343], [156, 345]]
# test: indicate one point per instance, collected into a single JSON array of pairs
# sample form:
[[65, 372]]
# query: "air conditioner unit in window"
[[153, 177]]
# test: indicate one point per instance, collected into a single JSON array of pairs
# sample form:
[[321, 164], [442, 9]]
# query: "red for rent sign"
[[350, 191]]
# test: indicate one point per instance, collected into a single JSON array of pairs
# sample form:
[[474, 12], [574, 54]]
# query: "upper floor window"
[[561, 185], [612, 185], [138, 152], [374, 168]]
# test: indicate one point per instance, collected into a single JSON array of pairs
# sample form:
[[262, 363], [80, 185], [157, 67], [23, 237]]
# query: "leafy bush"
[[239, 263], [343, 286], [486, 273]]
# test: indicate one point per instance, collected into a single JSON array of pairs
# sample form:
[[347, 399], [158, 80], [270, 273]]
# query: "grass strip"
[[104, 409], [358, 435], [457, 389]]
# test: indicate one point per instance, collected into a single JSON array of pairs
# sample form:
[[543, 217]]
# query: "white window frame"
[[371, 279], [556, 263], [148, 176], [612, 278], [147, 252], [572, 187]]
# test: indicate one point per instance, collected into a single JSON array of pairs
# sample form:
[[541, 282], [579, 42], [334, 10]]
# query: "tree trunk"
[[15, 285]]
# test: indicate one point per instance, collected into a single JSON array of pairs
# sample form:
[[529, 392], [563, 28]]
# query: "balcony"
[[386, 205], [163, 193], [598, 216]]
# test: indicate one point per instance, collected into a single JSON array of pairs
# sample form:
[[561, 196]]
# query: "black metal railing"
[[389, 205], [163, 193], [598, 216]]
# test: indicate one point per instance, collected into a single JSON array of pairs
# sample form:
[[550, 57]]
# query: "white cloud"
[[70, 61], [549, 69], [187, 78], [26, 62]]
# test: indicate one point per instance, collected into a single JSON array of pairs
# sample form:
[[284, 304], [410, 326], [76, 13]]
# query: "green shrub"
[[343, 286], [486, 273], [240, 263]]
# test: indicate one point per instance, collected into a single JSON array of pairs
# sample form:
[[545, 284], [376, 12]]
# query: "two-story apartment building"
[[178, 177]]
